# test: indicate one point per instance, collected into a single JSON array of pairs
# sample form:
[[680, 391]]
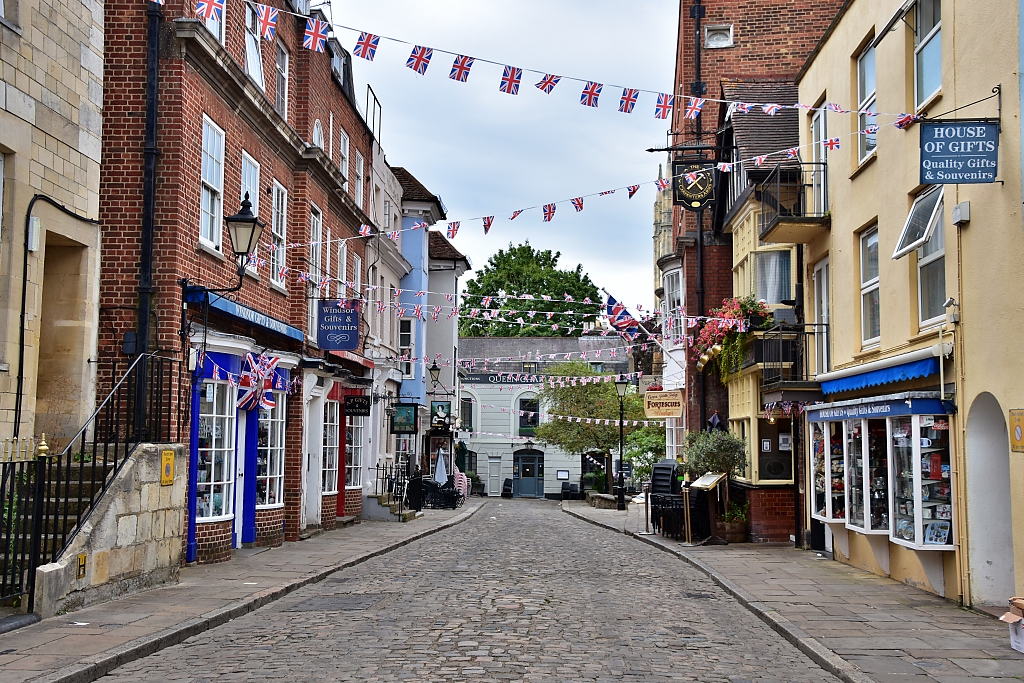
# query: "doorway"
[[494, 477], [528, 474]]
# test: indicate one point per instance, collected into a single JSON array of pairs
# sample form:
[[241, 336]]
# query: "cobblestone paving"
[[520, 591]]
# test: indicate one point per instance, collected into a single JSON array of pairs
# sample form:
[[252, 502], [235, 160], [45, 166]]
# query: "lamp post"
[[620, 389]]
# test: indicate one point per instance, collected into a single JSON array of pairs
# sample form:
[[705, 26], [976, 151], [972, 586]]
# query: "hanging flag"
[[578, 203], [663, 109], [208, 9], [568, 297], [904, 120], [419, 224], [510, 80], [632, 190], [460, 68], [453, 229], [620, 318], [831, 144], [418, 311], [591, 91], [743, 107], [870, 130], [315, 37], [770, 109], [693, 107], [601, 194], [324, 283], [792, 153], [419, 59], [366, 46], [548, 83], [393, 235], [515, 213], [267, 19], [760, 160], [662, 184], [725, 167], [832, 106], [691, 177], [281, 272], [488, 222], [549, 212], [629, 97], [365, 230], [434, 312]]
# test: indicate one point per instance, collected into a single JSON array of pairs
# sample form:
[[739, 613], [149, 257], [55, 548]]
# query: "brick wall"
[[213, 542], [328, 511], [269, 527], [354, 503], [771, 514]]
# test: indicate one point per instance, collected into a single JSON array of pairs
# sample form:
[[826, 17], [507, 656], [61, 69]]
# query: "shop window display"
[[270, 454], [867, 475], [215, 474], [922, 500], [827, 465]]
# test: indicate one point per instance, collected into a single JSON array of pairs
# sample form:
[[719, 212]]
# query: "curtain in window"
[[773, 276]]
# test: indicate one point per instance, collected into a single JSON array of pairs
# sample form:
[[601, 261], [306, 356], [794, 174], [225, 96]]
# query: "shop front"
[[881, 481]]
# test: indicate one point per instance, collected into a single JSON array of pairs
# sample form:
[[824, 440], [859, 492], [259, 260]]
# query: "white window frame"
[[718, 27], [270, 455], [281, 73], [318, 134], [338, 65], [357, 269], [405, 449], [224, 398], [342, 269], [866, 103], [920, 44], [215, 25], [250, 182], [672, 296], [370, 313], [253, 46], [868, 286], [278, 232], [408, 350], [211, 204], [819, 155], [316, 231], [935, 230], [332, 447], [354, 427], [387, 214], [822, 312], [2, 15], [904, 249], [343, 159], [359, 179]]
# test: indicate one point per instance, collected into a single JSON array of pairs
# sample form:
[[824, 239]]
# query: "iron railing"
[[793, 354], [21, 490], [794, 190], [390, 484]]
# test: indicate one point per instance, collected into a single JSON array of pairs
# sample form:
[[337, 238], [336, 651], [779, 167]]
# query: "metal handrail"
[[794, 190]]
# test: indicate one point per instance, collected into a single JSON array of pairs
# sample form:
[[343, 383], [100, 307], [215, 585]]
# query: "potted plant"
[[726, 331], [732, 526]]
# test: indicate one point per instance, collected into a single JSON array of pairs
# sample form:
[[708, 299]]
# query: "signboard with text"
[[357, 406], [959, 152], [663, 403], [337, 328]]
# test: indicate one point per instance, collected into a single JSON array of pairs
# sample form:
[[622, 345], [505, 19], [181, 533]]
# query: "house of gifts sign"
[[959, 152]]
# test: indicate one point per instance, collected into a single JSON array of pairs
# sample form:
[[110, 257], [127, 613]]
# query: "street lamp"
[[620, 389], [245, 230], [435, 372]]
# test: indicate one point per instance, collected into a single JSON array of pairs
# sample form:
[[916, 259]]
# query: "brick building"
[[241, 115]]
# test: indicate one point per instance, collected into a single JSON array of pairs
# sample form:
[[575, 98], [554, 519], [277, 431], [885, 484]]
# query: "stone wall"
[[132, 540]]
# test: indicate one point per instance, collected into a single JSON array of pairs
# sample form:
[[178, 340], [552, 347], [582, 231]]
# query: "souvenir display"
[[828, 468], [922, 495]]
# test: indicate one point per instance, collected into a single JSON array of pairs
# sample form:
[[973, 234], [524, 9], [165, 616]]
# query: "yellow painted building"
[[909, 471]]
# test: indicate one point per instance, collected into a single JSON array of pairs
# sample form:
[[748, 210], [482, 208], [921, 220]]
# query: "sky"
[[488, 153]]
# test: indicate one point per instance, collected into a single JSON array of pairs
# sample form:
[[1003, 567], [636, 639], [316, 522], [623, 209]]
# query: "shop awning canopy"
[[874, 378]]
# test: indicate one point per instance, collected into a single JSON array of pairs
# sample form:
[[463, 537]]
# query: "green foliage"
[[714, 451], [594, 400], [645, 447], [525, 270], [594, 481], [736, 513]]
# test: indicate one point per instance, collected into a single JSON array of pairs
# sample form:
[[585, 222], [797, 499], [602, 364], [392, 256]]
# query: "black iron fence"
[[48, 496], [390, 484], [794, 190], [793, 353]]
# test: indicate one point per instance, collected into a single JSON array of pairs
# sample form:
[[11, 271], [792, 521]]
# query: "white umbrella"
[[440, 474]]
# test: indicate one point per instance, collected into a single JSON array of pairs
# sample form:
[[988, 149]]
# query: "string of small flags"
[[549, 417]]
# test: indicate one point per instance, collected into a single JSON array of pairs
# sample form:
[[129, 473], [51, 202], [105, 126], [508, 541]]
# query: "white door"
[[493, 477], [821, 316], [314, 458], [819, 156], [239, 477]]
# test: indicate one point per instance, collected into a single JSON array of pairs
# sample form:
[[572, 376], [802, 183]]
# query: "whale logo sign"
[[337, 327]]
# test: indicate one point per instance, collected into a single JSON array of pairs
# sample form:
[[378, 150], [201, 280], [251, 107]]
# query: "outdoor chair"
[[506, 489], [566, 490], [574, 492]]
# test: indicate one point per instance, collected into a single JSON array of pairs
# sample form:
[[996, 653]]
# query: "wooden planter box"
[[734, 532]]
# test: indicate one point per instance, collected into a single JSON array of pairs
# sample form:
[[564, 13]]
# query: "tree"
[[524, 270], [645, 447], [591, 399], [714, 451]]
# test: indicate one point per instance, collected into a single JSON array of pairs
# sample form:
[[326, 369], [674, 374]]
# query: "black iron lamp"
[[435, 372], [621, 385], [245, 230]]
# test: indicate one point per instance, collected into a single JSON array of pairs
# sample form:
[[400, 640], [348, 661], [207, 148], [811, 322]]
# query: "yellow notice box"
[[167, 468]]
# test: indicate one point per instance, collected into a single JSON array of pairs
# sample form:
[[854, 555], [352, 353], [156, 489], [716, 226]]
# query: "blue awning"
[[897, 373]]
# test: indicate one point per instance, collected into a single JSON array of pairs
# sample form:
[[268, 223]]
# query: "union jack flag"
[[632, 190], [420, 293], [366, 46], [303, 277], [831, 144], [690, 177], [324, 283], [393, 235], [904, 120], [418, 311], [208, 9], [620, 318], [315, 37], [578, 203], [758, 161], [267, 18], [568, 297], [549, 212], [629, 97], [591, 91], [257, 382], [450, 297], [434, 312], [400, 312], [510, 80], [601, 194], [419, 59], [792, 153], [281, 272], [365, 230], [693, 107], [515, 213], [662, 184], [460, 68], [663, 108], [418, 224], [488, 222], [453, 229], [381, 306], [870, 130], [548, 83], [216, 372], [832, 106], [725, 167], [770, 109], [744, 107]]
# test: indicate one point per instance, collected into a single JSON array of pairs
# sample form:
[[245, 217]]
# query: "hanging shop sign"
[[357, 406], [439, 412], [959, 152], [916, 406], [693, 185], [337, 328], [404, 419], [663, 403]]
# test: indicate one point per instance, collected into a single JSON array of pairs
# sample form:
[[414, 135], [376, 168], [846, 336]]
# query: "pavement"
[[87, 644], [859, 626]]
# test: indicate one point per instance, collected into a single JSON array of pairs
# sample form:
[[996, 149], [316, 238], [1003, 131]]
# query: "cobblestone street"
[[520, 591]]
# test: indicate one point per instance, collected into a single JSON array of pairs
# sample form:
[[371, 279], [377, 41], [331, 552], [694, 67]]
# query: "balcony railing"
[[792, 357], [794, 200]]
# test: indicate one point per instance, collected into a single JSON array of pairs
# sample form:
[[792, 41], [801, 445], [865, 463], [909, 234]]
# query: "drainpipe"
[[1020, 75]]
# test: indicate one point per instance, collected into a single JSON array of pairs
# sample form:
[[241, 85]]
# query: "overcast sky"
[[485, 152]]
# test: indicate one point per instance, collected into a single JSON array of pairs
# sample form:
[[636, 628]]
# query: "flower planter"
[[734, 532]]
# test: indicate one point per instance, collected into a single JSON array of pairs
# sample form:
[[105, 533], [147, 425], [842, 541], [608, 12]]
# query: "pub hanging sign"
[[693, 185], [959, 152]]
